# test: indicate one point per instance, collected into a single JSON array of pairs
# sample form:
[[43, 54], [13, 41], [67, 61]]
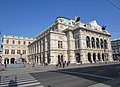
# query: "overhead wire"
[[113, 4]]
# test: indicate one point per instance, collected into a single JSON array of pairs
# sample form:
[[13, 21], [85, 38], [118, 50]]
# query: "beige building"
[[115, 43], [71, 40], [0, 57], [14, 49]]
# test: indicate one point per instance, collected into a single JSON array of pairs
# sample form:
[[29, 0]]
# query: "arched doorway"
[[99, 59], [78, 57], [89, 58], [21, 60], [6, 61], [94, 57], [12, 60], [60, 58], [103, 58]]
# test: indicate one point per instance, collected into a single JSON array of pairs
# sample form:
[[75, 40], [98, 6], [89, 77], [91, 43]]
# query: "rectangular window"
[[18, 42], [60, 44], [24, 51], [13, 42], [6, 51], [24, 42], [75, 44], [12, 51], [18, 52], [7, 41]]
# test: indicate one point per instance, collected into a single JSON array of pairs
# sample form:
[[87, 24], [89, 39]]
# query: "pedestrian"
[[63, 64], [81, 61], [57, 65], [68, 62], [33, 65], [5, 65]]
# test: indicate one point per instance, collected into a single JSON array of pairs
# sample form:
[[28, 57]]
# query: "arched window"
[[89, 57], [99, 58], [77, 55], [103, 57], [97, 43], [105, 44], [88, 42], [101, 42], [93, 42], [94, 57]]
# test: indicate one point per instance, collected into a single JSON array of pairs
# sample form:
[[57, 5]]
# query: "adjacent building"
[[71, 40], [116, 48], [0, 57], [14, 49]]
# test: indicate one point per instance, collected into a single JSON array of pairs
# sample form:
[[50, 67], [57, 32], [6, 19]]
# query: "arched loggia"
[[89, 57]]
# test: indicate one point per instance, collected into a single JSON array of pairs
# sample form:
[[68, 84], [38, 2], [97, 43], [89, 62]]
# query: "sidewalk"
[[2, 67], [29, 69], [40, 68]]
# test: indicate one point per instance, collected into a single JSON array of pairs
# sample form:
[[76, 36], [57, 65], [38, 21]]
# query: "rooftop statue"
[[77, 19]]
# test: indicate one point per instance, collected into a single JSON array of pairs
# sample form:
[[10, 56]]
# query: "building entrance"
[[6, 61], [94, 57], [77, 55], [12, 60], [89, 58]]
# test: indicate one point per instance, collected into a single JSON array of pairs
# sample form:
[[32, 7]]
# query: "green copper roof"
[[65, 20]]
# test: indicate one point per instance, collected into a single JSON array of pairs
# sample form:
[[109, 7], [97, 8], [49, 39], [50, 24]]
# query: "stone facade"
[[14, 49], [73, 41], [0, 57], [116, 49]]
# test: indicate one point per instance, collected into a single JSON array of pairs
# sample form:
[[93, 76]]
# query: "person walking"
[[64, 64], [5, 65], [68, 62]]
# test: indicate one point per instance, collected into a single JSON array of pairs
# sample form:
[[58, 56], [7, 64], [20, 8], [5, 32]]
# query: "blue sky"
[[30, 17]]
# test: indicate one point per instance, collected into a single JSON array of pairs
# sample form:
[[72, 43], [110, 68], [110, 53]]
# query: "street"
[[85, 75], [79, 77]]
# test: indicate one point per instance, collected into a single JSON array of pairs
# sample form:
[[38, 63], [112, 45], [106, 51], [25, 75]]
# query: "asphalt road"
[[78, 77]]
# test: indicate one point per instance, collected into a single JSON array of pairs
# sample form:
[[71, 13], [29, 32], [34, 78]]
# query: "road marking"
[[89, 75], [20, 81], [32, 84], [100, 85], [39, 86]]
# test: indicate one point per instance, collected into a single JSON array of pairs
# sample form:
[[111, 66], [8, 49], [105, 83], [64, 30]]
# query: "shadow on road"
[[95, 73], [13, 83]]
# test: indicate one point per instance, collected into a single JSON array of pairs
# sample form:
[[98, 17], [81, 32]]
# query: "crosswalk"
[[23, 80]]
